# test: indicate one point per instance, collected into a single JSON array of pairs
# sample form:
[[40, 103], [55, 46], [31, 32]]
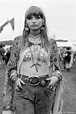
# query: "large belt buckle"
[[34, 80]]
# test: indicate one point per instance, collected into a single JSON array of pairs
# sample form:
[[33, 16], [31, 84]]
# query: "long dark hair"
[[34, 10]]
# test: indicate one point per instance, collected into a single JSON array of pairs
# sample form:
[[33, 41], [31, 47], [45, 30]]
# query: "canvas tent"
[[66, 43]]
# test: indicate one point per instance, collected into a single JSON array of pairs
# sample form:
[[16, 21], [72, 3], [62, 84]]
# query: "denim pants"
[[34, 100]]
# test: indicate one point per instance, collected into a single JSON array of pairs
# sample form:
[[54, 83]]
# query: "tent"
[[64, 44], [67, 43]]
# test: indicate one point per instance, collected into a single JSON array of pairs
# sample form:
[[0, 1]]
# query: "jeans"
[[34, 100]]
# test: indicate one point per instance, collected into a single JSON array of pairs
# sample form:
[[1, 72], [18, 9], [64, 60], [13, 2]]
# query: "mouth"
[[34, 25]]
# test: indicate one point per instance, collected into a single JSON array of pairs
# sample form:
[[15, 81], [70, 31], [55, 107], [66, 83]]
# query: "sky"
[[60, 17]]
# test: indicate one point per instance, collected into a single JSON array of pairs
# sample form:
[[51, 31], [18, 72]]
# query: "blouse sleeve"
[[54, 55], [8, 102], [14, 57]]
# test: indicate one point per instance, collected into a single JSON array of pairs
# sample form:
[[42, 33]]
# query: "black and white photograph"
[[37, 56]]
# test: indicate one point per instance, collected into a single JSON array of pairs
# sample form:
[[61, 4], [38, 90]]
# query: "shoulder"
[[52, 41], [17, 41], [16, 44]]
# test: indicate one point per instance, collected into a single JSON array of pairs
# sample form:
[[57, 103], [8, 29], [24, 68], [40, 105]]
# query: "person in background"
[[68, 58], [33, 70]]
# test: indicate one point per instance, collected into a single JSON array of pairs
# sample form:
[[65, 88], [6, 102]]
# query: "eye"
[[37, 17], [29, 17]]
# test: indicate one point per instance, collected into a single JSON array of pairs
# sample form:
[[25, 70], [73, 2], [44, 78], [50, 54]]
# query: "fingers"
[[51, 83], [22, 82], [18, 88], [19, 83], [48, 79], [13, 77]]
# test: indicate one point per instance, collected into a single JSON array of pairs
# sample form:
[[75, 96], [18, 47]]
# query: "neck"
[[35, 32]]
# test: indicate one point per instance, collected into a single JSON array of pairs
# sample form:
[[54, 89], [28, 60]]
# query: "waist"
[[35, 80]]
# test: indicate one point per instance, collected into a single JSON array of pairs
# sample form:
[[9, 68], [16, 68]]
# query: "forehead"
[[34, 12]]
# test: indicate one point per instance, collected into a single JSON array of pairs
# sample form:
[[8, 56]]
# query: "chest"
[[35, 52]]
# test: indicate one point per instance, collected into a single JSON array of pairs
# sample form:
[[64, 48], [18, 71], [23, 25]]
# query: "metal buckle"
[[43, 82], [33, 80]]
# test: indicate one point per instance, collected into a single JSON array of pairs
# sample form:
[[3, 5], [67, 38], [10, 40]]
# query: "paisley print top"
[[8, 93]]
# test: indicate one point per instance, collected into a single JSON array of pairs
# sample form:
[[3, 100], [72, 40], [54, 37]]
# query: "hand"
[[53, 80], [19, 83]]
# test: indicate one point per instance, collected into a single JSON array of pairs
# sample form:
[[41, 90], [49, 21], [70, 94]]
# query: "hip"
[[35, 85]]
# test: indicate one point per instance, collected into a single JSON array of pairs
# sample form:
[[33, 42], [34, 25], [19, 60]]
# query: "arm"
[[8, 85], [14, 57], [55, 59]]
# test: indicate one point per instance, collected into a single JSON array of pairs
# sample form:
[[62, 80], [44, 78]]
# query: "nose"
[[33, 20]]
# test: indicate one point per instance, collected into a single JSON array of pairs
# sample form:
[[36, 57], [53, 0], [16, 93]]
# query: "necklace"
[[35, 39], [34, 59], [34, 36]]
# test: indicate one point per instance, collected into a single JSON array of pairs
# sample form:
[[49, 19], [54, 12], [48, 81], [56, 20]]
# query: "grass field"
[[69, 93]]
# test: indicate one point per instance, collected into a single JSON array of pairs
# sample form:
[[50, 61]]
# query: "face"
[[34, 22]]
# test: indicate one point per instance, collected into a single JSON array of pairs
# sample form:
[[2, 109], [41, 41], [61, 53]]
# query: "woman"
[[33, 69]]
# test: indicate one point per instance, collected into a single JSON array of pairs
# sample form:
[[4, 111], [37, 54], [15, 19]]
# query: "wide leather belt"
[[35, 80]]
